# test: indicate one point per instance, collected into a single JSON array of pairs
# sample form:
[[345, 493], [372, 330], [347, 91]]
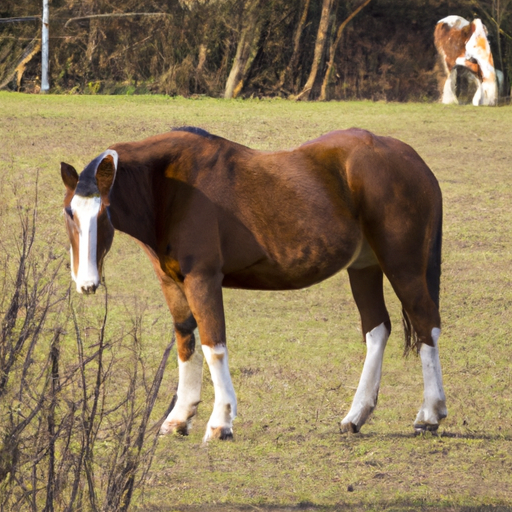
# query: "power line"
[[16, 20]]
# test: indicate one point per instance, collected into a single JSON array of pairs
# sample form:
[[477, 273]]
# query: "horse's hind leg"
[[422, 314], [366, 284], [433, 409]]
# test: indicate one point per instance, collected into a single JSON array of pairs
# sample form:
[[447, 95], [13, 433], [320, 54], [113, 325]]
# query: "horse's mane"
[[87, 185], [195, 130]]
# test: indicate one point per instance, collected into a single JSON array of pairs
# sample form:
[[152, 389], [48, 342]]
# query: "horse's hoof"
[[349, 427], [356, 418], [429, 419], [222, 433], [425, 427], [179, 428]]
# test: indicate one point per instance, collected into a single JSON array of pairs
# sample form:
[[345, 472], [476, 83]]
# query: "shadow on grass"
[[459, 435], [449, 435], [477, 435], [340, 507]]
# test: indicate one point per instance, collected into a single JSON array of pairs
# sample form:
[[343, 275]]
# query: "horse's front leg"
[[449, 96], [190, 365], [190, 359], [478, 98], [204, 295]]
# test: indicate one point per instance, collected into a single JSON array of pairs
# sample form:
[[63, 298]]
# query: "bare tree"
[[287, 74], [334, 45], [247, 47], [323, 28]]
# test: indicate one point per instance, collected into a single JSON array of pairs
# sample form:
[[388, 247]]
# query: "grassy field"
[[296, 357]]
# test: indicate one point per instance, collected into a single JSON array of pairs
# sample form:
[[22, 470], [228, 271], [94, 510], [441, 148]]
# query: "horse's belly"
[[301, 244], [296, 269]]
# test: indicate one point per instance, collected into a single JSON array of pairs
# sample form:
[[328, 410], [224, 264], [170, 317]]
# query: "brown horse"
[[211, 213]]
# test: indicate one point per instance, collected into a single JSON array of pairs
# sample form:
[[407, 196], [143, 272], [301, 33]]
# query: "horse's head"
[[87, 218], [478, 49]]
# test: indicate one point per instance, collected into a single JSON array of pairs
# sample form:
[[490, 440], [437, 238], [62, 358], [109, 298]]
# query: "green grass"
[[296, 357]]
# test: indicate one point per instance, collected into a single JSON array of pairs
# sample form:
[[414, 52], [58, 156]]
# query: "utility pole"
[[45, 85]]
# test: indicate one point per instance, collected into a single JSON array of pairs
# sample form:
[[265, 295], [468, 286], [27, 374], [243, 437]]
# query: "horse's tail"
[[433, 277]]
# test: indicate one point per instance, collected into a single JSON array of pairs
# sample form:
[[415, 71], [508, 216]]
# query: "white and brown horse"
[[462, 44], [211, 213]]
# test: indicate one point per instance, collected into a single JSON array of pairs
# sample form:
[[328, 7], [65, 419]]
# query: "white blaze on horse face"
[[86, 209], [367, 392], [188, 394], [224, 409], [433, 409]]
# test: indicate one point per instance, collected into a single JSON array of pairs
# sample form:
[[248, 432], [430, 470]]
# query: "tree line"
[[302, 49]]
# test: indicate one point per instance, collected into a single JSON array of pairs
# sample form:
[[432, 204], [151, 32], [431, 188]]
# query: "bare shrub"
[[75, 402]]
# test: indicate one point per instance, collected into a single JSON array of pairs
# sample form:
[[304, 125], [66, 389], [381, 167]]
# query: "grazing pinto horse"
[[211, 213], [461, 43]]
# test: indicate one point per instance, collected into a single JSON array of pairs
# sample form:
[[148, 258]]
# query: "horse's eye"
[[69, 211]]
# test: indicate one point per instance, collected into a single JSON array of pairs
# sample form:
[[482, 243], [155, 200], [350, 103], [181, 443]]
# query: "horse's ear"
[[105, 175], [69, 176]]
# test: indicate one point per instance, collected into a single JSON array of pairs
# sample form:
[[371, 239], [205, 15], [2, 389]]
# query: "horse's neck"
[[131, 205]]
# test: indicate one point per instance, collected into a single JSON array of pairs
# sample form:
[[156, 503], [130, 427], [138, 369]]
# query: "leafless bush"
[[75, 402]]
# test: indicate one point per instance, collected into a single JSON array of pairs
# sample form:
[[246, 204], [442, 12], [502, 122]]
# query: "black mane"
[[195, 130], [87, 185]]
